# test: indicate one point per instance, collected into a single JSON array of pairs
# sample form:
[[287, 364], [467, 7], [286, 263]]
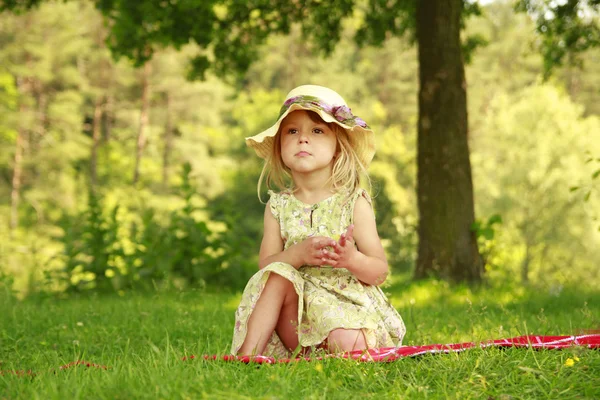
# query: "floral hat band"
[[332, 108], [341, 113]]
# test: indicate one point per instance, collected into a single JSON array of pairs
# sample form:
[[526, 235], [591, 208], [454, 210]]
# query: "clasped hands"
[[321, 250]]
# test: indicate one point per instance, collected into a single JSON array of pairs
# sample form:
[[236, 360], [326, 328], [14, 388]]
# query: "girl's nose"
[[302, 137]]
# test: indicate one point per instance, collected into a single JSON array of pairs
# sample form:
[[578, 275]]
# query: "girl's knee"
[[346, 340], [281, 284]]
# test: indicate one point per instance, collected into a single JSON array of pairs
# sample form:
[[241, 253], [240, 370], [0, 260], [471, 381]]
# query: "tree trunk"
[[16, 180], [141, 139], [168, 143], [96, 124], [108, 115], [447, 245], [15, 194]]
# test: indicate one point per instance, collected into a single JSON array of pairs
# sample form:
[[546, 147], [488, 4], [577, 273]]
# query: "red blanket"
[[386, 354]]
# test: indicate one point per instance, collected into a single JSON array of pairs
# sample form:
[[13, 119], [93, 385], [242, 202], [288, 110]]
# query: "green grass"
[[142, 338]]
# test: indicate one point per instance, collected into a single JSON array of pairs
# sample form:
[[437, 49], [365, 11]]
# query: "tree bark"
[[168, 143], [95, 141], [447, 245], [16, 180], [108, 118], [15, 194], [141, 139]]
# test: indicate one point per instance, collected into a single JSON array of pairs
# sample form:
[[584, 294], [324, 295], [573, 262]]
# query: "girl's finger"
[[350, 233], [338, 248], [331, 255], [329, 262], [342, 239]]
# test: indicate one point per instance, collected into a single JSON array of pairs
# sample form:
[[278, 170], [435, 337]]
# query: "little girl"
[[321, 259]]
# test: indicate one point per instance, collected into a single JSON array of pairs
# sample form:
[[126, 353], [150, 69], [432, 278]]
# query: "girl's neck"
[[312, 197], [312, 189]]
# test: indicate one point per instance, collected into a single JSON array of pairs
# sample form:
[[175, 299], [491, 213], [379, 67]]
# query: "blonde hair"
[[347, 168]]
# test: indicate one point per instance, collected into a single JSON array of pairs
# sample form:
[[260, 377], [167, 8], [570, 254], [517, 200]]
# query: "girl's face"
[[307, 145]]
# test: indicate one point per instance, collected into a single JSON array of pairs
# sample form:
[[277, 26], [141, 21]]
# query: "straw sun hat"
[[332, 108]]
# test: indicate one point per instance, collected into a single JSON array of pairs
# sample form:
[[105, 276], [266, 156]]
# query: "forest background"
[[114, 177]]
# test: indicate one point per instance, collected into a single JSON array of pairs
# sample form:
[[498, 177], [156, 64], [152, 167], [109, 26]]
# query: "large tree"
[[447, 245]]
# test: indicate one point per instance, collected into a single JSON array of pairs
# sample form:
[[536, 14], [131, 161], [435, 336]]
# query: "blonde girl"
[[321, 259]]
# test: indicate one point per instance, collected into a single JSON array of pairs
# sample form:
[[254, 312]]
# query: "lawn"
[[142, 338]]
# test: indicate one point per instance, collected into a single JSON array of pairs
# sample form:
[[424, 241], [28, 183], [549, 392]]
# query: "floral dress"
[[329, 298]]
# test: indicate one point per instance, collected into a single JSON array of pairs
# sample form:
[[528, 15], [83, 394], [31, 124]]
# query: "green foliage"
[[91, 245], [567, 29], [229, 34], [486, 232], [540, 133], [7, 291], [102, 253], [393, 175], [588, 187], [8, 108]]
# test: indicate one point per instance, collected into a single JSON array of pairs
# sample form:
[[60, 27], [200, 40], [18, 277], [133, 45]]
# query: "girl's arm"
[[310, 251], [368, 263]]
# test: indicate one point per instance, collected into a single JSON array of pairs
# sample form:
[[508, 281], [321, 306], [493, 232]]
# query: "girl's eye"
[[292, 131], [318, 130]]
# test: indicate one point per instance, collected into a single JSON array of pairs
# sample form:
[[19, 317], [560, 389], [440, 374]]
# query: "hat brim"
[[361, 139]]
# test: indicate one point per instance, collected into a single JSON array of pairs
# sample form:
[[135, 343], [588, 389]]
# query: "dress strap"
[[362, 192]]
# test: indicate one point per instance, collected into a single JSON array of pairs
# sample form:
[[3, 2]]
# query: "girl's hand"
[[317, 250], [345, 249]]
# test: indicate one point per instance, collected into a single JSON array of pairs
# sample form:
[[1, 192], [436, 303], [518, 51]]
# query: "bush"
[[102, 253]]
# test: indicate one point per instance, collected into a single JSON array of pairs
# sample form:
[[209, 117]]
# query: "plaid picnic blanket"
[[387, 354]]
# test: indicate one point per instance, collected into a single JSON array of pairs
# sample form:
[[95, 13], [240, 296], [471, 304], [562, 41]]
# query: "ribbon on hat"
[[342, 113]]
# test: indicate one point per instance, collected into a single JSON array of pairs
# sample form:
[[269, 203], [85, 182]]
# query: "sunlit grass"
[[142, 339]]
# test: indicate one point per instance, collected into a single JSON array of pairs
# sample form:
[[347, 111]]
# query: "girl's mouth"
[[302, 154]]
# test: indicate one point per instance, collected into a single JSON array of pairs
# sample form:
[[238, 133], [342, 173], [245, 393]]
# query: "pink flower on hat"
[[342, 113], [291, 101], [360, 122]]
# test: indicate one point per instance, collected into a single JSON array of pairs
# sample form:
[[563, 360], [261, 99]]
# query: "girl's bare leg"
[[287, 325], [276, 309], [342, 340]]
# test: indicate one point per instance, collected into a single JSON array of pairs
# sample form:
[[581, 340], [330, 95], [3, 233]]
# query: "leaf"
[[595, 174], [573, 188], [495, 219], [488, 233], [587, 196]]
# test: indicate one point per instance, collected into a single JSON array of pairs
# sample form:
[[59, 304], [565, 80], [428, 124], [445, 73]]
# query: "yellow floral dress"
[[329, 298]]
